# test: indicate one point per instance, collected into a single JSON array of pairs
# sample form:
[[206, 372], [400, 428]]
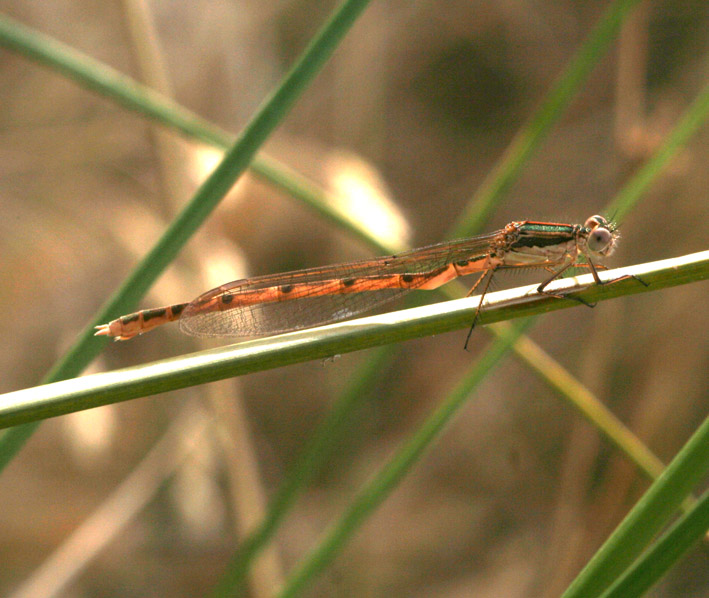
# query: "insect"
[[299, 299]]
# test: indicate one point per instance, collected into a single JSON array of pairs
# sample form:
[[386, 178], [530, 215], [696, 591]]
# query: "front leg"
[[594, 271], [556, 274]]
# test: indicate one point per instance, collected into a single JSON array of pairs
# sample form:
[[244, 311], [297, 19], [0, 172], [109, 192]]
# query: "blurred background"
[[402, 126]]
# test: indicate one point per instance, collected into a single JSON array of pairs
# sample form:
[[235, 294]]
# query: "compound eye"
[[599, 240], [595, 221]]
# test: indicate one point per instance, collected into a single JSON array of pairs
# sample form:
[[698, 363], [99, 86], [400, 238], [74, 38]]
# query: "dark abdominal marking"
[[149, 314]]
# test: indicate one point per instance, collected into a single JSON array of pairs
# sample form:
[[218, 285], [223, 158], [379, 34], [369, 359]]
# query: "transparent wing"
[[315, 296], [274, 318]]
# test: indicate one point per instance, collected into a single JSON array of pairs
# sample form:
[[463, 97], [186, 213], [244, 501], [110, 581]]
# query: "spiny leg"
[[557, 273], [489, 272], [594, 271], [624, 277]]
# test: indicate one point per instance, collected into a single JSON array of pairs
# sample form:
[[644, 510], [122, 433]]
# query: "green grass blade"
[[272, 111], [72, 395], [687, 531], [646, 519]]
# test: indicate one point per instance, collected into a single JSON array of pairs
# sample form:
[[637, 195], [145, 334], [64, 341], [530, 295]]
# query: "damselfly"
[[303, 298]]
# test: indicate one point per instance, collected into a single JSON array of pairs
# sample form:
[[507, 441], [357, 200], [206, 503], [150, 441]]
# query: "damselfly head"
[[601, 236]]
